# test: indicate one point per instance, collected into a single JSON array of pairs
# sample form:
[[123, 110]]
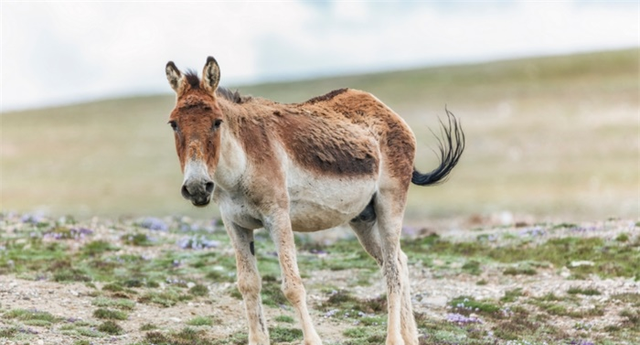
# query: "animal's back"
[[363, 114], [331, 135]]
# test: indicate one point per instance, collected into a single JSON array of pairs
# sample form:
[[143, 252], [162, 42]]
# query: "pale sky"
[[66, 52]]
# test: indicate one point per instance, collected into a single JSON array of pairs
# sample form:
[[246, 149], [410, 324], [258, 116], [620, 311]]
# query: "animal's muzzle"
[[198, 191]]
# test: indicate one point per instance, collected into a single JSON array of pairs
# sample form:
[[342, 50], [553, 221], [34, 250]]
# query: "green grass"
[[110, 327], [109, 314], [200, 321], [284, 334], [32, 317], [611, 258], [199, 290], [118, 303], [284, 319], [467, 305], [586, 292], [547, 136]]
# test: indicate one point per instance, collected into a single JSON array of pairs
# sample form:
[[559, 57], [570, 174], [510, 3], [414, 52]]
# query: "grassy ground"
[[169, 281], [554, 138]]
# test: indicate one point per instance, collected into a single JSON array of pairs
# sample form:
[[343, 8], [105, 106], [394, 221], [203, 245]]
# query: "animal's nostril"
[[209, 187], [185, 192]]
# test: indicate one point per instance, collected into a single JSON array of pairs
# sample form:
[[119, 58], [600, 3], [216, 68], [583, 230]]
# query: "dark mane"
[[326, 97], [232, 96], [192, 79]]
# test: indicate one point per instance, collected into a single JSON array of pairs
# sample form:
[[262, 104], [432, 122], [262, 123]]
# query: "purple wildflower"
[[63, 233], [197, 242], [533, 232], [32, 218], [584, 229], [581, 342], [461, 319], [152, 223], [331, 313], [27, 330]]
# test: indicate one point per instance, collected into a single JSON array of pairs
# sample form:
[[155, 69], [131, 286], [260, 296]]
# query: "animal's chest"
[[236, 208]]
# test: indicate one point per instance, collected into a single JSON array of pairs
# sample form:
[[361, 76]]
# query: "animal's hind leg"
[[249, 282], [389, 208]]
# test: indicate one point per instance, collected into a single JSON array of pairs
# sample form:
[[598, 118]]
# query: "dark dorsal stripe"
[[326, 97]]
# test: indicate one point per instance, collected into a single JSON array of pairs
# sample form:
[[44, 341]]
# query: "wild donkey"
[[338, 158]]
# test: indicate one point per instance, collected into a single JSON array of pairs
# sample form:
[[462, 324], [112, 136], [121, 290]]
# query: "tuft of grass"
[[586, 292], [148, 327], [466, 305], [186, 336], [89, 332], [200, 321], [512, 271], [8, 332], [511, 295], [95, 248], [284, 335], [472, 267], [357, 332], [632, 318], [165, 299], [628, 297], [549, 297], [82, 342], [343, 300], [622, 238], [119, 303], [199, 290], [32, 317], [138, 239], [521, 326], [103, 313], [110, 327], [284, 318], [114, 287], [218, 276], [272, 294], [482, 282]]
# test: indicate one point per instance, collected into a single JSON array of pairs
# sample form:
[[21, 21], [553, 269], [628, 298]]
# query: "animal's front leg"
[[279, 227], [249, 282]]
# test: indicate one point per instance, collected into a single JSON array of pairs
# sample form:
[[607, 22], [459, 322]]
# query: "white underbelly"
[[323, 203]]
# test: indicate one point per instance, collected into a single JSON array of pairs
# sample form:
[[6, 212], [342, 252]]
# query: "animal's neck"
[[232, 161]]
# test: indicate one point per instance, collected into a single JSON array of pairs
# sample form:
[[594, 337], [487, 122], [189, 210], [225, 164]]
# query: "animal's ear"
[[175, 78], [211, 75]]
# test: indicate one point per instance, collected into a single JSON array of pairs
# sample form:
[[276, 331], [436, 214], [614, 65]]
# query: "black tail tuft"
[[451, 146]]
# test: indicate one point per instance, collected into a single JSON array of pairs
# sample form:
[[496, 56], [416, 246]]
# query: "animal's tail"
[[451, 145]]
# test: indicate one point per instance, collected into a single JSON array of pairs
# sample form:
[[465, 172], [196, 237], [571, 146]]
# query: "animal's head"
[[196, 121]]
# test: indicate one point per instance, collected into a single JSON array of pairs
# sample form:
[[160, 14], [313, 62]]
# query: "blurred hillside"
[[553, 137]]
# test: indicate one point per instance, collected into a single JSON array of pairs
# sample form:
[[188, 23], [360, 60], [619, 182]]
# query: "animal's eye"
[[216, 124], [174, 125]]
